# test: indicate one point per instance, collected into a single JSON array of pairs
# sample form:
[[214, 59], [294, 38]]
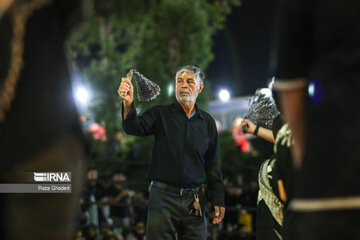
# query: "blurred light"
[[98, 132], [315, 91], [170, 89], [224, 95], [83, 118], [82, 95], [311, 89]]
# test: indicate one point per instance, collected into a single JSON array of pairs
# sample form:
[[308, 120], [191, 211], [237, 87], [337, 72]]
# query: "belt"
[[178, 191]]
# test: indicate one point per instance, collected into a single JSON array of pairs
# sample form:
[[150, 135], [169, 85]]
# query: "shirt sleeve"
[[215, 181], [139, 125], [294, 45]]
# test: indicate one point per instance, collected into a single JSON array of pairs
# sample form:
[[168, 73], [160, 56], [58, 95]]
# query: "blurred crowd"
[[110, 210]]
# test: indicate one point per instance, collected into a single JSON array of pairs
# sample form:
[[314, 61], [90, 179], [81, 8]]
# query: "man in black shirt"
[[319, 43], [185, 155]]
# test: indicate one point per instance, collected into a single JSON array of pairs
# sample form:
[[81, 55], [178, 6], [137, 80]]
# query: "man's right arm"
[[133, 124]]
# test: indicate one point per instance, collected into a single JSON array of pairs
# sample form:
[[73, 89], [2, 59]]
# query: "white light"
[[82, 95], [311, 89], [170, 89], [224, 95]]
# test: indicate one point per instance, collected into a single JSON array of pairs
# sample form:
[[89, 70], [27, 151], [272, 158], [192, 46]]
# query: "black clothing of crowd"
[[118, 209]]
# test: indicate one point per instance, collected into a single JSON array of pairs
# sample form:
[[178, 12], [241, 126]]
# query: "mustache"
[[184, 91]]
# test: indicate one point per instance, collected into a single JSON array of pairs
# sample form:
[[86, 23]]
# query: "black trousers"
[[169, 219]]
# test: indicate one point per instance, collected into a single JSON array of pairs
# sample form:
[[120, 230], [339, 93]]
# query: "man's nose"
[[185, 85]]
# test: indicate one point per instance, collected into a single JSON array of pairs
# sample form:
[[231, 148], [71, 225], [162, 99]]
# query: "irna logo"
[[52, 177]]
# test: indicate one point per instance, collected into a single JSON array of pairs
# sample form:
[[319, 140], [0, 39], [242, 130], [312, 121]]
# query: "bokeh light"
[[82, 95], [224, 95]]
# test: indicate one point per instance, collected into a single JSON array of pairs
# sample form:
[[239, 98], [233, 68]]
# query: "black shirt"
[[185, 151], [277, 124], [320, 40]]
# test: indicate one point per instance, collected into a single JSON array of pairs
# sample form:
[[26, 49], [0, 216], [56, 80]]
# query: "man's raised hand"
[[126, 87]]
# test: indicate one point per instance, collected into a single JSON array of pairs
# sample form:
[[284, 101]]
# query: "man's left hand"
[[219, 214]]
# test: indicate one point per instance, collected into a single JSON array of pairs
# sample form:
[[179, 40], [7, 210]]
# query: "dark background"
[[242, 49]]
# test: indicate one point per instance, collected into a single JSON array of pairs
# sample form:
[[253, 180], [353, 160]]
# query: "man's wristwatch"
[[256, 130]]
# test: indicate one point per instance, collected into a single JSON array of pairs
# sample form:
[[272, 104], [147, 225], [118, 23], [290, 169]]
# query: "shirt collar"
[[177, 107]]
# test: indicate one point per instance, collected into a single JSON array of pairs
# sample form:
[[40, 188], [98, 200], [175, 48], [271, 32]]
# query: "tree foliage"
[[153, 36]]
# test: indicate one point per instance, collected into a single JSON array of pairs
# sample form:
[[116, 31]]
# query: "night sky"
[[242, 49]]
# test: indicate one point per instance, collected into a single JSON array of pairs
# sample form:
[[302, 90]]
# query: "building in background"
[[226, 112]]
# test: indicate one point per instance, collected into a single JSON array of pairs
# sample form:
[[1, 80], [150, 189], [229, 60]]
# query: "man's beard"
[[185, 98]]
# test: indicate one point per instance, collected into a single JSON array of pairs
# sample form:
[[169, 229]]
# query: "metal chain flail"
[[20, 14]]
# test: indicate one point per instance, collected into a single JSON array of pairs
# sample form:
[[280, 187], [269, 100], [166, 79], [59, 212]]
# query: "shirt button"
[[188, 134]]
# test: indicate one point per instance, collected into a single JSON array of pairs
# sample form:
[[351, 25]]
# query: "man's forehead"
[[185, 74]]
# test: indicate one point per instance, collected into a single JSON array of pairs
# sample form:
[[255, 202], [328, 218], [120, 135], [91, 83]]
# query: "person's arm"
[[214, 177], [264, 133], [135, 125], [294, 55], [293, 106]]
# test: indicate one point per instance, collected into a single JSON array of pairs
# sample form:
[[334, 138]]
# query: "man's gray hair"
[[190, 68]]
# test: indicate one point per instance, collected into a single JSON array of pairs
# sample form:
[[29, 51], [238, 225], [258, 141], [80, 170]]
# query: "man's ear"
[[201, 87]]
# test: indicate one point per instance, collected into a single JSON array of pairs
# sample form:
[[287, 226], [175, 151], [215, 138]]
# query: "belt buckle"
[[182, 190]]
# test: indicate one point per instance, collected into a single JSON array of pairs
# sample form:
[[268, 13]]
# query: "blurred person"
[[185, 156], [285, 172], [105, 229], [94, 198], [106, 232], [138, 233], [234, 197], [317, 78], [119, 200], [39, 124], [282, 174], [106, 183], [91, 194], [90, 232], [270, 209], [139, 203], [79, 235], [83, 218]]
